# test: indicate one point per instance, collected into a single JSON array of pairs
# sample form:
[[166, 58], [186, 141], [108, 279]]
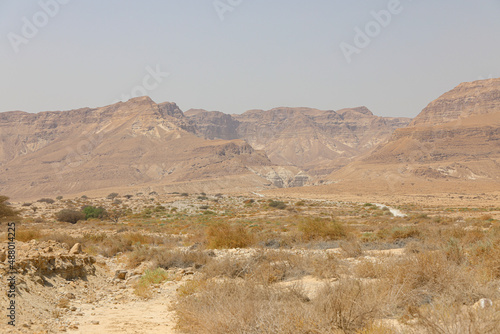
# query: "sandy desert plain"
[[250, 263]]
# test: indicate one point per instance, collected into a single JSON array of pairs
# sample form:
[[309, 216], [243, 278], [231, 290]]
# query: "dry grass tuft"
[[224, 235], [321, 229]]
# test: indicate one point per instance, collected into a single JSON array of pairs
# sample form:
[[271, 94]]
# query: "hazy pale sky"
[[233, 55]]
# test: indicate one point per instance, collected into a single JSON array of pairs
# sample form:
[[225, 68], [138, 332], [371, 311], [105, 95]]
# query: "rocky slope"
[[317, 141], [132, 144], [455, 138]]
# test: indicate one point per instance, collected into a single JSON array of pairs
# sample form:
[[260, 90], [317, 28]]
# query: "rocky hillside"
[[456, 137], [315, 140], [133, 144]]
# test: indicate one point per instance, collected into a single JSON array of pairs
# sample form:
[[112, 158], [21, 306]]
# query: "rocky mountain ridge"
[[318, 141], [455, 138]]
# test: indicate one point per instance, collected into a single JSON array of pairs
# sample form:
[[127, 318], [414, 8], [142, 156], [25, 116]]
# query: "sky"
[[391, 56]]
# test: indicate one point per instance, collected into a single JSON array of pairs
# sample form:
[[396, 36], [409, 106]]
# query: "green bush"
[[93, 212]]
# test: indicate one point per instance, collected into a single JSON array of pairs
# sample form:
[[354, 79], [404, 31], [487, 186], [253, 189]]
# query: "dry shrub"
[[366, 268], [224, 235], [240, 306], [321, 229], [351, 248], [191, 287], [323, 266], [27, 235], [349, 305], [140, 254], [267, 267], [456, 319], [179, 259], [473, 236], [405, 232], [429, 276], [486, 256], [244, 307]]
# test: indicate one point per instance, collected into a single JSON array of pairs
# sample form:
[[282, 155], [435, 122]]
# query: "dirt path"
[[120, 311], [113, 307]]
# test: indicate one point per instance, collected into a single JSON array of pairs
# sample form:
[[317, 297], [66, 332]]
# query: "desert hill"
[[454, 143], [317, 141], [126, 145]]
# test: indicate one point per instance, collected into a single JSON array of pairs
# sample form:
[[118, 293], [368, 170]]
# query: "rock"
[[76, 249], [94, 322], [133, 279], [121, 274], [483, 303]]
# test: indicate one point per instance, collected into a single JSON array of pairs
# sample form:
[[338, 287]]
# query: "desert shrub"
[[112, 196], [27, 235], [143, 287], [230, 307], [6, 211], [202, 198], [224, 235], [59, 198], [93, 212], [351, 248], [486, 256], [116, 214], [349, 305], [46, 200], [184, 194], [70, 216], [445, 318], [204, 207], [405, 232], [179, 259], [26, 204], [277, 204], [324, 229], [428, 276]]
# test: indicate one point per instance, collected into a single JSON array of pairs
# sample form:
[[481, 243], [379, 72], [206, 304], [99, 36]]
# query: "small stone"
[[483, 303], [76, 249], [94, 322], [73, 308], [121, 274]]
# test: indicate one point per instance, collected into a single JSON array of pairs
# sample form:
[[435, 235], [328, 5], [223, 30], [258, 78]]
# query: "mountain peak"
[[467, 99]]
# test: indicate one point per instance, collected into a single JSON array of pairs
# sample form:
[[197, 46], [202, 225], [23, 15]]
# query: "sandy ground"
[[121, 312]]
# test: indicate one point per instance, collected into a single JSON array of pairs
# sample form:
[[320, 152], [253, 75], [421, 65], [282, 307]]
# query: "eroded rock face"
[[49, 258], [316, 140], [456, 137], [132, 144], [467, 99]]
